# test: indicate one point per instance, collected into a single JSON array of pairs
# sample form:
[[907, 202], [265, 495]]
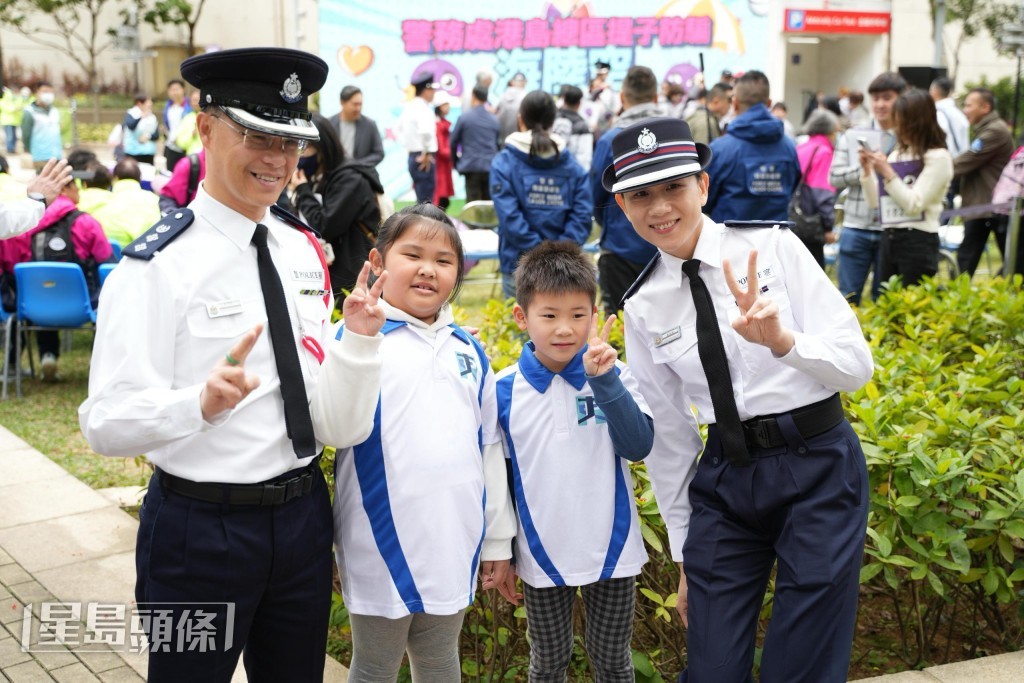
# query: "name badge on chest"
[[667, 337], [219, 309]]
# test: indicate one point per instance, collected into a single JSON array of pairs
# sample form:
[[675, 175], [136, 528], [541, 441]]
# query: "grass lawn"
[[47, 418]]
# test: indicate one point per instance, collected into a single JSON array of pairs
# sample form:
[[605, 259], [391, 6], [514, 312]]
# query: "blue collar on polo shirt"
[[540, 377]]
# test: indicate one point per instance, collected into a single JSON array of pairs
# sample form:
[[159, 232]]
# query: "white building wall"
[[223, 23]]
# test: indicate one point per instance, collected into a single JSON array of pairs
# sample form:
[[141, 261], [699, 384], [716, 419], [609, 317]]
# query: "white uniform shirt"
[[830, 353], [163, 325], [409, 505], [574, 496], [955, 124], [19, 215], [418, 126]]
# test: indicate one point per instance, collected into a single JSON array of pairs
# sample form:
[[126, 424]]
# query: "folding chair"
[[7, 320], [104, 270], [51, 296]]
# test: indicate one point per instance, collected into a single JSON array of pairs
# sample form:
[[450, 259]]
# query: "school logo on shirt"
[[468, 366], [587, 408]]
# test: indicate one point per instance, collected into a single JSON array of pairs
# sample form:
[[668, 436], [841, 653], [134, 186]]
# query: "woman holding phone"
[[908, 187]]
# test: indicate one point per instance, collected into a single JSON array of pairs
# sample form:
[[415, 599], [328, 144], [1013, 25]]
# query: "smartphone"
[[863, 142]]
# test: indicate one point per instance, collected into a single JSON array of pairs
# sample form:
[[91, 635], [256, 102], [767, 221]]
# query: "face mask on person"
[[25, 92], [46, 98], [308, 165]]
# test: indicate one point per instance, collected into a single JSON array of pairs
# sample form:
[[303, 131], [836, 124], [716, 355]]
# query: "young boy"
[[572, 417]]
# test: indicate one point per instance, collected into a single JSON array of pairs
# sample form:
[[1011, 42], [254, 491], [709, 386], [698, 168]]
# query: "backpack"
[[1011, 181], [54, 243]]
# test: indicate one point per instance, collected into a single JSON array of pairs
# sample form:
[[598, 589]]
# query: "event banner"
[[380, 46]]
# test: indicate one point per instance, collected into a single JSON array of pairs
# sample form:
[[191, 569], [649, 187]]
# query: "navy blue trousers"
[[271, 564], [805, 505], [423, 182]]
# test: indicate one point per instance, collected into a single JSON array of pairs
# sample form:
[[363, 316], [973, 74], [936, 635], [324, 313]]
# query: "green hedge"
[[940, 424]]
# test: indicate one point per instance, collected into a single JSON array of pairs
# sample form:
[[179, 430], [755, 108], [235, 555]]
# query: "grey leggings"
[[378, 644]]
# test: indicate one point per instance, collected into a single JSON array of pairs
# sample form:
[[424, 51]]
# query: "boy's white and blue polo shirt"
[[409, 501], [569, 440]]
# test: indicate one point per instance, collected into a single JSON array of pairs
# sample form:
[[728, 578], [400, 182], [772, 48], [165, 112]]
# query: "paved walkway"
[[62, 541]]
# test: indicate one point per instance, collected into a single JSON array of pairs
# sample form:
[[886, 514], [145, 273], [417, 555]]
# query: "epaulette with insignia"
[[644, 274], [292, 220], [759, 224], [160, 235]]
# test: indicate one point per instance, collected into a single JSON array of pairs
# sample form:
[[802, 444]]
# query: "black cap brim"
[[656, 174]]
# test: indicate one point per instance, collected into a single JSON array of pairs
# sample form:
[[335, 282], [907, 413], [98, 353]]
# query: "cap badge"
[[646, 142], [292, 89]]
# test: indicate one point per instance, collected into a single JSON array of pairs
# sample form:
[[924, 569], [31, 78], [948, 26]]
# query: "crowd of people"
[[221, 364]]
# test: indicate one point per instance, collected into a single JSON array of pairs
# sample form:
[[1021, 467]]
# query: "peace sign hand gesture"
[[600, 356], [758, 322], [362, 313], [228, 383]]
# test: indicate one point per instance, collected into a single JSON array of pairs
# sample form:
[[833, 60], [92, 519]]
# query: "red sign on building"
[[831, 21]]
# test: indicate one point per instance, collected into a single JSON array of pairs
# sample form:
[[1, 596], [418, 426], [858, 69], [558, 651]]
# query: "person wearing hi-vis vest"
[[738, 322], [40, 127]]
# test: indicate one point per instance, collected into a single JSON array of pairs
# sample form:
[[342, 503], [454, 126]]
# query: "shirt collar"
[[708, 250], [445, 318], [540, 377], [233, 225]]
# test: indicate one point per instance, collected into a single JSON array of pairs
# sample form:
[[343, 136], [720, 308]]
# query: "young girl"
[[539, 191], [412, 519], [909, 188]]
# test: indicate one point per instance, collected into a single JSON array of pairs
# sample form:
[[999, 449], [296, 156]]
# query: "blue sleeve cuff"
[[631, 431]]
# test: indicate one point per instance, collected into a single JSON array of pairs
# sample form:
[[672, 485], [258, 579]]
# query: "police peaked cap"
[[653, 152], [423, 79], [263, 88]]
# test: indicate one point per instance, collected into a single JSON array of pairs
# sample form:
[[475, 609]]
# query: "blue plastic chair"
[[104, 270], [51, 296], [116, 247], [7, 321]]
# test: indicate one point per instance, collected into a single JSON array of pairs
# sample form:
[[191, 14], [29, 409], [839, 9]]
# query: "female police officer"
[[760, 352]]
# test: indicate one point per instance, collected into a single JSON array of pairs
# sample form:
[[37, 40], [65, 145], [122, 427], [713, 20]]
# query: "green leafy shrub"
[[939, 423]]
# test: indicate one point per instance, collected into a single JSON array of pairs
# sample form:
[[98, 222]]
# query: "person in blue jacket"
[[754, 164], [539, 190]]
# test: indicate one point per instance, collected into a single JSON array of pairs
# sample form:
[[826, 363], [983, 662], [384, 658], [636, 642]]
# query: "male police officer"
[[237, 521]]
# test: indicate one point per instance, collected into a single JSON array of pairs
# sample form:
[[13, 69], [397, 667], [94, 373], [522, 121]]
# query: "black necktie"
[[293, 388], [716, 367]]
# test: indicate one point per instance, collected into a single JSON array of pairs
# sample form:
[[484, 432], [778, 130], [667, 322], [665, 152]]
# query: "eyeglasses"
[[264, 143]]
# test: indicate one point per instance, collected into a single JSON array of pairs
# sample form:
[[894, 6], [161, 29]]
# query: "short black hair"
[[719, 90], [127, 169], [943, 85], [751, 88], [889, 80], [100, 179], [348, 92], [176, 81], [480, 93], [78, 159], [555, 268], [780, 105], [640, 85], [986, 96], [571, 95]]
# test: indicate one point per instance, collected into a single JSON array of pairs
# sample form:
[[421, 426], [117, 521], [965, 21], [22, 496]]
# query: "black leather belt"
[[267, 493], [817, 418]]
